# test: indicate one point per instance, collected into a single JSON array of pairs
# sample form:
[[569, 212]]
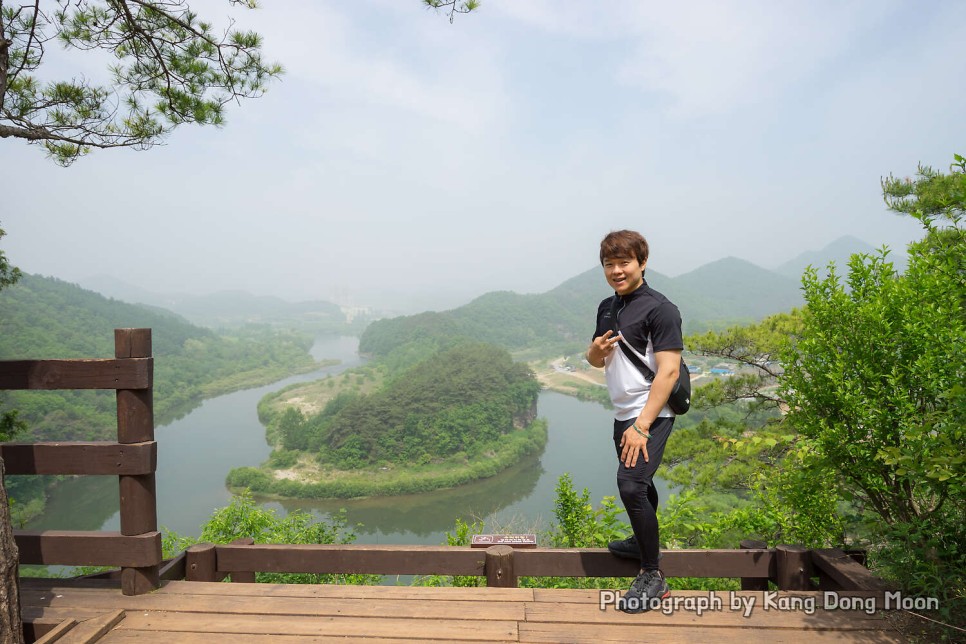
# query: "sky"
[[406, 162]]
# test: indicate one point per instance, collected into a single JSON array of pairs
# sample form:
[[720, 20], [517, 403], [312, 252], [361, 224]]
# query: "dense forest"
[[457, 400], [450, 416]]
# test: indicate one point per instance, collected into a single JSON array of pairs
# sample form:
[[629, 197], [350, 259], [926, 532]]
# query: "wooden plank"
[[120, 636], [292, 606], [451, 560], [598, 562], [688, 635], [355, 558], [431, 629], [56, 632], [80, 458], [92, 630], [78, 548], [74, 583], [317, 591], [38, 621], [845, 572], [322, 591], [128, 373]]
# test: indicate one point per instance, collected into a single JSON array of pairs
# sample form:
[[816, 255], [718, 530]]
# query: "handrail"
[[502, 565], [132, 458]]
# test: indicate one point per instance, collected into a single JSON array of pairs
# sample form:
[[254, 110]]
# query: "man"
[[637, 319]]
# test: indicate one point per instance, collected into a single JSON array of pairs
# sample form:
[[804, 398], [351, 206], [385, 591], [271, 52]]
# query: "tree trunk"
[[10, 627]]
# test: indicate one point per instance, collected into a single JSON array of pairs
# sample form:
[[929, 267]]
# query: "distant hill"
[[43, 317], [732, 289], [839, 251], [725, 292], [229, 308]]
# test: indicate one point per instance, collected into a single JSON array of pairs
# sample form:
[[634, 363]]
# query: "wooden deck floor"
[[194, 612]]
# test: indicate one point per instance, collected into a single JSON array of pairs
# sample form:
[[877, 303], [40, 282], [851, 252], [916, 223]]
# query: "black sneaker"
[[646, 592], [626, 548]]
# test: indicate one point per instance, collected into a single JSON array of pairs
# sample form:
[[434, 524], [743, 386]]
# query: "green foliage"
[[461, 536], [8, 274], [413, 479], [11, 425], [578, 524], [170, 68], [459, 400], [875, 383], [244, 518], [453, 7], [47, 318], [932, 197], [757, 348], [875, 387]]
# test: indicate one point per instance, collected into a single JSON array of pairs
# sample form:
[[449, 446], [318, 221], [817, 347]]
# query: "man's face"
[[624, 274]]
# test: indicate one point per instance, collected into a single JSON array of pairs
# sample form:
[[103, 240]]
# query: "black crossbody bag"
[[680, 399]]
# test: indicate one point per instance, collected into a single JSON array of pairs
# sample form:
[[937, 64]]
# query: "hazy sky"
[[404, 156]]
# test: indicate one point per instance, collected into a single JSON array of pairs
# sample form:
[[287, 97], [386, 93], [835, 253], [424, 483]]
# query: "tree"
[[756, 348], [788, 496], [9, 598], [171, 68], [452, 7], [875, 384]]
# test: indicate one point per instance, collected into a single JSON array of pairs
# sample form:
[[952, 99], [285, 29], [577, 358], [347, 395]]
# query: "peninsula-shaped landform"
[[414, 422]]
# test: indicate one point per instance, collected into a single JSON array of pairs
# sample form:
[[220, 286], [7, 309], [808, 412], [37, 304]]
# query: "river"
[[196, 452]]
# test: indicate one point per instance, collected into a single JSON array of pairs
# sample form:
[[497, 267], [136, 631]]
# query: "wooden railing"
[[133, 458], [136, 549], [786, 567]]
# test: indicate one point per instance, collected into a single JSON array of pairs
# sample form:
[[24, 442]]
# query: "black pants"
[[636, 487]]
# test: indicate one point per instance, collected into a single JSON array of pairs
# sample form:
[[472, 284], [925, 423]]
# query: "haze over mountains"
[[723, 293], [226, 308], [724, 289]]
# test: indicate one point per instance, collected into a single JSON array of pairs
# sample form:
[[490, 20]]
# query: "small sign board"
[[512, 540]]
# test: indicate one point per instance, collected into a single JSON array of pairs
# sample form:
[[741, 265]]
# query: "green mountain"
[[42, 317], [725, 292], [732, 289]]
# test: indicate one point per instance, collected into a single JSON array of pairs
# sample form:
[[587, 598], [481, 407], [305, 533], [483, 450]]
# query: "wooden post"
[[247, 577], [793, 567], [753, 583], [135, 424], [498, 565], [201, 563]]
